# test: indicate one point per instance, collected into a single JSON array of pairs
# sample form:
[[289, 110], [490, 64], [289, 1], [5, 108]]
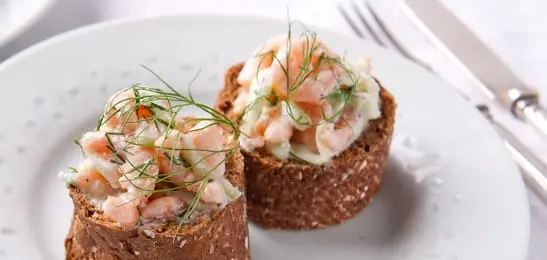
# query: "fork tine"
[[374, 36], [348, 20], [386, 32], [391, 39]]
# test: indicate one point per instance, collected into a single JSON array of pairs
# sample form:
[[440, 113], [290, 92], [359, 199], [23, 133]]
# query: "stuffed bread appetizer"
[[315, 130], [155, 185]]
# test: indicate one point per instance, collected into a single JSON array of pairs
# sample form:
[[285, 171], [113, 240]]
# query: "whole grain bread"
[[295, 195], [224, 235]]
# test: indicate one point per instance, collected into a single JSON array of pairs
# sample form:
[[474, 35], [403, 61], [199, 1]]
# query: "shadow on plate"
[[382, 224]]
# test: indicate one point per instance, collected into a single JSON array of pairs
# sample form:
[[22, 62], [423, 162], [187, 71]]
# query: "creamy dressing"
[[326, 100], [145, 163]]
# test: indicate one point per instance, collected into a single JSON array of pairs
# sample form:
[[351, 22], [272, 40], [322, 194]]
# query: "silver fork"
[[367, 24]]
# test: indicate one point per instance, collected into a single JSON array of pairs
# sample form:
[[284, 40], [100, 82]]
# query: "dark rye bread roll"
[[224, 235], [295, 195]]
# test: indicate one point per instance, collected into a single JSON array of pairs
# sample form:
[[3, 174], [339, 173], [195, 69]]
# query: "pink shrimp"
[[119, 112], [170, 160], [212, 193], [184, 124], [364, 64], [241, 102], [317, 113], [250, 144], [289, 68], [207, 156], [305, 137], [92, 182], [177, 173], [279, 130], [171, 143], [96, 144], [334, 138], [315, 90], [122, 209], [265, 119], [262, 58], [139, 173], [165, 208]]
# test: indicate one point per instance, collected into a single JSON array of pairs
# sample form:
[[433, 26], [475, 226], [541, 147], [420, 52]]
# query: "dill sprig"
[[139, 110], [307, 71], [312, 56]]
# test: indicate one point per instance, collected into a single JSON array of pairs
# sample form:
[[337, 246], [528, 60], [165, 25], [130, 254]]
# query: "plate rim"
[[44, 44]]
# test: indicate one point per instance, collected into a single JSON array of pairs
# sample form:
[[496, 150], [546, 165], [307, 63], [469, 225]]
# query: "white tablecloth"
[[513, 28]]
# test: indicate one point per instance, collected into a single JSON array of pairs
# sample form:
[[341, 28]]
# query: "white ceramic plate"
[[18, 15], [467, 202]]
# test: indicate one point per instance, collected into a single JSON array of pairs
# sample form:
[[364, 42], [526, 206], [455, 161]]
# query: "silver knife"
[[533, 168], [452, 37]]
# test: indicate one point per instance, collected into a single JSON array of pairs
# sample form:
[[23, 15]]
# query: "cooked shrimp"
[[252, 143], [207, 156], [139, 173], [171, 143], [212, 193], [316, 113], [290, 66], [170, 159], [262, 57], [91, 181], [120, 113], [146, 134], [165, 208], [334, 138], [362, 64], [184, 124], [241, 102], [173, 168], [315, 90], [122, 209], [268, 114], [279, 130], [306, 138], [96, 144]]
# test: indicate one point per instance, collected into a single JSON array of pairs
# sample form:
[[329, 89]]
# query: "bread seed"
[[149, 233], [363, 165]]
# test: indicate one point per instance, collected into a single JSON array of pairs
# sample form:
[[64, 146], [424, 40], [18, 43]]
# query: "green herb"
[[159, 110]]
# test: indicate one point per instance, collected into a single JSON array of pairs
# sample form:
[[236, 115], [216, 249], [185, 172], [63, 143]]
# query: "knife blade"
[[455, 40], [533, 169]]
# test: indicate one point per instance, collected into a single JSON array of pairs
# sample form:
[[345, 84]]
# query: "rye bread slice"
[[294, 195], [224, 235]]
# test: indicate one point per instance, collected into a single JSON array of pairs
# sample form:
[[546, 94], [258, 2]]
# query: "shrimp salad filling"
[[301, 100], [145, 163]]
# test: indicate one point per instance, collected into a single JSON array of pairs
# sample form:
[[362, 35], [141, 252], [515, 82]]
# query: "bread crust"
[[294, 195], [224, 235]]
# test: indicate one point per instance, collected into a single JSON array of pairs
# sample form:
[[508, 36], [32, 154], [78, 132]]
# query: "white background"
[[513, 28]]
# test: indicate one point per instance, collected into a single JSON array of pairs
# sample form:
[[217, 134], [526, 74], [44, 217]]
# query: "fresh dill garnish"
[[73, 170], [312, 58], [118, 158], [140, 111]]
